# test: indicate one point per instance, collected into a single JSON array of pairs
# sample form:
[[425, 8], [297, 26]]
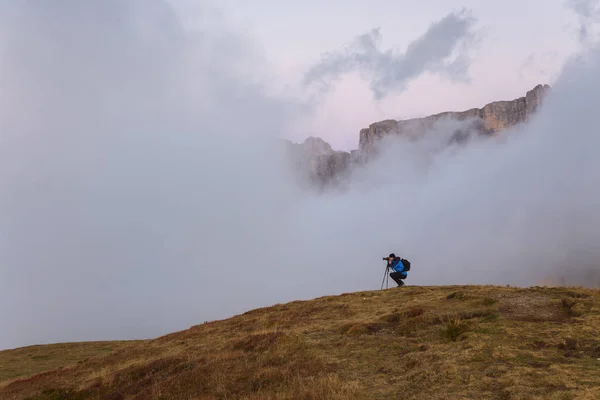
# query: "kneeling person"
[[399, 273]]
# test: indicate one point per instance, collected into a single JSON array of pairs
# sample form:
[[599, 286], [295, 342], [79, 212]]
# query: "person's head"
[[391, 257]]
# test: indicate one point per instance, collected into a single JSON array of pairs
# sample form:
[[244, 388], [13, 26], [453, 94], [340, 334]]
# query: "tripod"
[[386, 277]]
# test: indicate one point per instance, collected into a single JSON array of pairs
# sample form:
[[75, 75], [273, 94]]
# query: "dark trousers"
[[397, 277]]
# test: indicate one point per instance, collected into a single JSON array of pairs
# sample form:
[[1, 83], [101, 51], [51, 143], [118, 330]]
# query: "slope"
[[414, 342], [35, 359]]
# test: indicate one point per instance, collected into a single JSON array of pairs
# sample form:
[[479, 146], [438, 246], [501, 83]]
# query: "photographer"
[[400, 270]]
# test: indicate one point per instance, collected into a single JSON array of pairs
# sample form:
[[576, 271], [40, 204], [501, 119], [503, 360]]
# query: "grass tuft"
[[454, 328], [488, 301], [414, 312], [456, 295], [569, 307], [258, 341], [57, 394]]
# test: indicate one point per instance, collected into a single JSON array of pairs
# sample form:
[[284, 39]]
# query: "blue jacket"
[[397, 265]]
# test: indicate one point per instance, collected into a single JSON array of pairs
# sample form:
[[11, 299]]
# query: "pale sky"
[[523, 43]]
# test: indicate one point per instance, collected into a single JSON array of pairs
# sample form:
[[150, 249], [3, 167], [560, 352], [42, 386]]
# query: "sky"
[[519, 45], [144, 187]]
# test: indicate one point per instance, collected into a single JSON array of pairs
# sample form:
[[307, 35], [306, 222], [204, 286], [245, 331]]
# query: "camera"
[[385, 258]]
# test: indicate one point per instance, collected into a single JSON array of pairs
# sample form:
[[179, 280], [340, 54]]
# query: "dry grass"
[[463, 342], [31, 360]]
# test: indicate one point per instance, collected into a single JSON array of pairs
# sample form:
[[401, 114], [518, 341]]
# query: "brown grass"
[[31, 360], [463, 342]]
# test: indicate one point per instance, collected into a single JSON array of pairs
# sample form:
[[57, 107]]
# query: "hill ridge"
[[415, 342]]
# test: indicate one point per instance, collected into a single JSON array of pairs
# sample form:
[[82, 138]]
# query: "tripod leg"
[[386, 278]]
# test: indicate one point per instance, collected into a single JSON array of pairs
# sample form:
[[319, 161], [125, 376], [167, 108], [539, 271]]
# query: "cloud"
[[516, 211], [538, 63], [140, 180], [587, 12], [144, 189], [442, 49]]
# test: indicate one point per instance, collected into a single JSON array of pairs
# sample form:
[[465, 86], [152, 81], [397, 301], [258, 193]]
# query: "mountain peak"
[[317, 146]]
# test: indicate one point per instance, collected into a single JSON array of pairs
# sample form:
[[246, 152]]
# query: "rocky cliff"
[[492, 118], [319, 164]]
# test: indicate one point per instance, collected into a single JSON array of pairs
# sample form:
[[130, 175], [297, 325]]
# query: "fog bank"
[[143, 187]]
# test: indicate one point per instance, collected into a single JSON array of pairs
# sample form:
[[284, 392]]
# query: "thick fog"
[[144, 189]]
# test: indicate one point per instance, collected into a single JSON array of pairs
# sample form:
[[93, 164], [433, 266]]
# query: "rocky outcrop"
[[318, 164], [492, 118]]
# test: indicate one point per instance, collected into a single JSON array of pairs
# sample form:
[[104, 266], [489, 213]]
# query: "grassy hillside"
[[467, 342], [31, 360]]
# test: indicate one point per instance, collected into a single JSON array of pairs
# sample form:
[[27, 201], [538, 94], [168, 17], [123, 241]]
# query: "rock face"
[[317, 164], [492, 118], [320, 165]]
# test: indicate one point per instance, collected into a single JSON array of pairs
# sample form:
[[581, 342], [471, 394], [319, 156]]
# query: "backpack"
[[406, 264]]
